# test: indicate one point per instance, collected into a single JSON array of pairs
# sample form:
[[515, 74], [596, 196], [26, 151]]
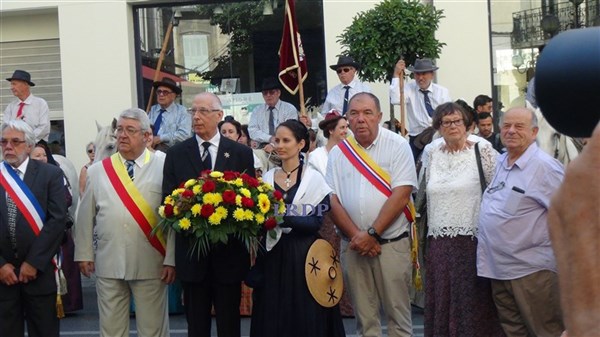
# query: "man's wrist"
[[373, 232]]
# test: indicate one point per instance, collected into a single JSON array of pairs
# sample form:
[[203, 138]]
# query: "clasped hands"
[[365, 244], [8, 276]]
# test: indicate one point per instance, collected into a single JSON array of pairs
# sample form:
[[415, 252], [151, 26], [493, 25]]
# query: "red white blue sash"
[[23, 198]]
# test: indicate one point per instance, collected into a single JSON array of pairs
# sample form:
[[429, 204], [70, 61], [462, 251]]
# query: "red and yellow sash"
[[133, 200], [361, 160]]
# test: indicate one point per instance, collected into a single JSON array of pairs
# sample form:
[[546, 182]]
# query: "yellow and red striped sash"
[[133, 200]]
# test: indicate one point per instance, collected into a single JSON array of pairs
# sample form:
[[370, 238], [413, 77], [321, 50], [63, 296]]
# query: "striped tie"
[[206, 160], [130, 165]]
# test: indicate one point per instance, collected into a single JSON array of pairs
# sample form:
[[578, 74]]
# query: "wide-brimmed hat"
[[323, 272], [21, 75], [270, 83], [423, 66], [169, 83], [332, 117], [345, 61]]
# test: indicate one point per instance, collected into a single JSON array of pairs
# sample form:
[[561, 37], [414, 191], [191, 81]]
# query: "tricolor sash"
[[134, 201], [361, 160], [23, 198]]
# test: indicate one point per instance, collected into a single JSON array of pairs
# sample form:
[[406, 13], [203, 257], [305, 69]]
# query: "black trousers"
[[416, 152], [198, 299], [38, 311]]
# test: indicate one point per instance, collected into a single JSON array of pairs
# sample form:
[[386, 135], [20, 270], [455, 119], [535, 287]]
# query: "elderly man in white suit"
[[122, 195]]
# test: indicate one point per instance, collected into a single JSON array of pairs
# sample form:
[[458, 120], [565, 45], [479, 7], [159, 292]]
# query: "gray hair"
[[88, 144], [21, 126], [216, 104], [534, 119], [138, 115]]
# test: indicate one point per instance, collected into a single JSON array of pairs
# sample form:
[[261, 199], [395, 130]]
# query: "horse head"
[[106, 140]]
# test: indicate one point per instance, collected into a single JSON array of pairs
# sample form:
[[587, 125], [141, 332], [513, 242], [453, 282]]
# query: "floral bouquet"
[[219, 204]]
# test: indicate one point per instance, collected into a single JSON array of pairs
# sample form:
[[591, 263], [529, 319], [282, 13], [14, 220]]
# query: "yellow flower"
[[184, 223], [281, 209], [248, 215], [175, 210], [259, 218], [260, 188], [267, 187], [264, 204], [190, 183], [212, 198], [196, 189], [178, 191], [161, 211], [216, 174], [245, 192], [239, 214], [222, 211], [238, 200], [196, 209], [169, 200], [215, 219], [238, 182]]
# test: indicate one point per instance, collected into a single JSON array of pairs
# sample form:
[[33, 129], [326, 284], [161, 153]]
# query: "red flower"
[[188, 194], [229, 197], [168, 210], [207, 210], [230, 175], [204, 174], [208, 186], [247, 202], [182, 185], [277, 195], [250, 181], [270, 223]]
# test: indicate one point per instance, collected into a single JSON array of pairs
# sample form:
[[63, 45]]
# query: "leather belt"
[[400, 237]]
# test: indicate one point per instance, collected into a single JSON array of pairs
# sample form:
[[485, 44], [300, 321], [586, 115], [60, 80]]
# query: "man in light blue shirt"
[[339, 96], [170, 121], [514, 248]]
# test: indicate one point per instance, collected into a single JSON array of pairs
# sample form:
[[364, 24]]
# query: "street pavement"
[[84, 323]]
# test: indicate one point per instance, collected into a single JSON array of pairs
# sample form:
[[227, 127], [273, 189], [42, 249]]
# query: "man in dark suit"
[[214, 279], [27, 282]]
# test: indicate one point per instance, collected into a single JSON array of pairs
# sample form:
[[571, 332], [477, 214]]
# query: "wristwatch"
[[371, 231]]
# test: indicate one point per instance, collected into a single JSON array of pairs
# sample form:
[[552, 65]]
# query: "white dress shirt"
[[258, 127], [35, 113], [335, 96], [416, 113]]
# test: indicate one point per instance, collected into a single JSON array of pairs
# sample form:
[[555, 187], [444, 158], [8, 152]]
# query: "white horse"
[[106, 141], [562, 148], [71, 174]]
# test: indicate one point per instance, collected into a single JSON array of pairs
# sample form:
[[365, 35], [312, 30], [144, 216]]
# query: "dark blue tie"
[[130, 164], [206, 160], [158, 121], [346, 94], [271, 122], [427, 102]]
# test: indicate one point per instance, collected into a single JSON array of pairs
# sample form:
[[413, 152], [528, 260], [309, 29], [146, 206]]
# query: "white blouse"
[[454, 190]]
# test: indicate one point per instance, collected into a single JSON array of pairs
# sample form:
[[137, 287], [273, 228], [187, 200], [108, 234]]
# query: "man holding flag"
[[33, 211], [121, 199]]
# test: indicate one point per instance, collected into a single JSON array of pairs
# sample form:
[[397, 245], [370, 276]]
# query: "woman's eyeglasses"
[[90, 151], [496, 188]]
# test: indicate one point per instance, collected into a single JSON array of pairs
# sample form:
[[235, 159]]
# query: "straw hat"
[[323, 271]]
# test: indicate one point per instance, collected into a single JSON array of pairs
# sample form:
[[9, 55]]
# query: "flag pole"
[[301, 92], [161, 57], [402, 112]]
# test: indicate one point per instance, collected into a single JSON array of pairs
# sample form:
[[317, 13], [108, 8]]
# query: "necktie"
[[427, 102], [158, 121], [206, 160], [130, 164], [20, 112], [11, 208], [345, 108], [271, 121]]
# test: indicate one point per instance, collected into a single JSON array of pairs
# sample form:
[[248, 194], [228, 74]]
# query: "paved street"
[[84, 323]]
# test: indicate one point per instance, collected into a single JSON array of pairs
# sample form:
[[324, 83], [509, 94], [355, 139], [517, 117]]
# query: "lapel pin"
[[226, 154]]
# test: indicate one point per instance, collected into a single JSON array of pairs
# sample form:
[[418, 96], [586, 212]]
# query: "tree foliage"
[[378, 37]]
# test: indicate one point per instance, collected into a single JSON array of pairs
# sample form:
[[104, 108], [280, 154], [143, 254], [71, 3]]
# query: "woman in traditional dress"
[[458, 302], [335, 129], [283, 305]]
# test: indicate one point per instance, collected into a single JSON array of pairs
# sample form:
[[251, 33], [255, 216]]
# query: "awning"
[[148, 73]]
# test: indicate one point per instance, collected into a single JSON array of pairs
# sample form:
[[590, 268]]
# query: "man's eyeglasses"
[[13, 142], [339, 70], [457, 122], [127, 131], [163, 92], [202, 111]]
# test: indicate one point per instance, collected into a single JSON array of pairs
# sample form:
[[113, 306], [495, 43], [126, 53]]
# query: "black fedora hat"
[[21, 75], [423, 66], [345, 61], [169, 83], [270, 83]]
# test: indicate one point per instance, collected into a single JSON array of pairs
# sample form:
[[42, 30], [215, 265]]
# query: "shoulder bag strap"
[[480, 168]]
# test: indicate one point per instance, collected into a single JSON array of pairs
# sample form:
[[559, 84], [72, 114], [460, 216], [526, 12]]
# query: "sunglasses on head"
[[339, 70]]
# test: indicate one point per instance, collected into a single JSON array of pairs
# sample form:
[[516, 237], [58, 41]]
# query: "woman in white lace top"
[[458, 302]]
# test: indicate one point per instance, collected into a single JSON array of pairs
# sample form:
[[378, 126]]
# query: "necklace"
[[287, 179]]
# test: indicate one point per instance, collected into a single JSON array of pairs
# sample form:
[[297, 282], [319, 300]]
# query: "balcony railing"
[[534, 27]]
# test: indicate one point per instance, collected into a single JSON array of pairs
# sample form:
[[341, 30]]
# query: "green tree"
[[378, 37]]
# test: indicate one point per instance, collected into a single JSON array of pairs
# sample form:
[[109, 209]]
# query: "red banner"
[[291, 53]]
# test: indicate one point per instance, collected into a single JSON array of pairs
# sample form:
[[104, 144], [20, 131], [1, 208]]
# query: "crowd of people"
[[490, 267]]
